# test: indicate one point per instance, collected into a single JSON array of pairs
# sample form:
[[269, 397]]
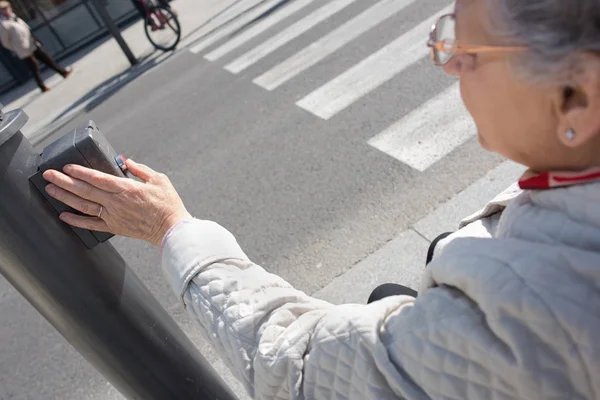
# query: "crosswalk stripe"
[[330, 43], [234, 10], [257, 29], [370, 73], [429, 133], [234, 25], [287, 35]]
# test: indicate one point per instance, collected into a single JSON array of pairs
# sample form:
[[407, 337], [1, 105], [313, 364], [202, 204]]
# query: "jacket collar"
[[551, 179]]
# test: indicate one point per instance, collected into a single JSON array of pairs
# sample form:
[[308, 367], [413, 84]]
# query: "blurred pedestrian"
[[142, 6], [16, 36]]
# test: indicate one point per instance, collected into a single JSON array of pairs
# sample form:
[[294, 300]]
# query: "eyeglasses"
[[443, 43]]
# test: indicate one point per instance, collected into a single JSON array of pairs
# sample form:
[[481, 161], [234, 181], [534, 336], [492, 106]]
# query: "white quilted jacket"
[[509, 309]]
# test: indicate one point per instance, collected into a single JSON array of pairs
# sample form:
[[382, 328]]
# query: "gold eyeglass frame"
[[454, 47]]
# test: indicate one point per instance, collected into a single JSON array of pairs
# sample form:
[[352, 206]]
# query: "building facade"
[[63, 27]]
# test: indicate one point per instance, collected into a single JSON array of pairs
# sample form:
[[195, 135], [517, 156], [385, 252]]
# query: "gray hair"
[[555, 31]]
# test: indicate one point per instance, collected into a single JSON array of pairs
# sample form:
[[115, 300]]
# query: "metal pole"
[[91, 297], [114, 30]]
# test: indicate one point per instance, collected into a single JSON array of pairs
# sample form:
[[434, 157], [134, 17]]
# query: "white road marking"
[[330, 43], [235, 25], [287, 35], [235, 10], [372, 72], [428, 133], [257, 29]]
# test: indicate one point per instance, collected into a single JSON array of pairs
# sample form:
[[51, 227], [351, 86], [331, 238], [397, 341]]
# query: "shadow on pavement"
[[261, 16], [73, 55], [29, 92], [105, 90], [246, 26], [100, 93], [225, 10]]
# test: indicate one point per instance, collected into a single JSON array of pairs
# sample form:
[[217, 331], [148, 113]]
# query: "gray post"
[[114, 30], [91, 296]]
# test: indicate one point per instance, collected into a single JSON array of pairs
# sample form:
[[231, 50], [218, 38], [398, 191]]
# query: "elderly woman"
[[510, 305]]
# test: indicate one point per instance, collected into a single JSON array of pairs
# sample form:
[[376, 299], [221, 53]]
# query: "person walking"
[[16, 36]]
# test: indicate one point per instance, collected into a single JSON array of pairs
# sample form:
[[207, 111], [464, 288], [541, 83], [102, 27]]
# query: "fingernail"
[[47, 175], [50, 190], [68, 168]]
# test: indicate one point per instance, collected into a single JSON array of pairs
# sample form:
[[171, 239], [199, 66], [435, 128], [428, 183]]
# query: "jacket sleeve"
[[284, 344]]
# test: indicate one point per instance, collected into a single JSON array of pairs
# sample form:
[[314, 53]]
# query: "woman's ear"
[[580, 103]]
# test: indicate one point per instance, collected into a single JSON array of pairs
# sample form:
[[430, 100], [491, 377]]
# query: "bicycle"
[[161, 25]]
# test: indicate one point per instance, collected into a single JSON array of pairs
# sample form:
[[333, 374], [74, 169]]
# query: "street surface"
[[316, 132]]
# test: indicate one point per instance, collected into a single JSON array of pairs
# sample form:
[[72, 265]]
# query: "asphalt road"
[[307, 198]]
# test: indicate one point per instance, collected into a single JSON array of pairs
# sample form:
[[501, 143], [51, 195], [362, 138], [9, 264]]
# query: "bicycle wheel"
[[162, 28]]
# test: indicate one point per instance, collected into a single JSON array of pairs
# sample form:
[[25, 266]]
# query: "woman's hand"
[[118, 205]]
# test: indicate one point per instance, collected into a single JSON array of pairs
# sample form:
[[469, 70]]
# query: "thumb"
[[141, 171]]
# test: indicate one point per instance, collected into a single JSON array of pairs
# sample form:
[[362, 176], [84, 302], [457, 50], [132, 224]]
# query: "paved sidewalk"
[[402, 260], [105, 69]]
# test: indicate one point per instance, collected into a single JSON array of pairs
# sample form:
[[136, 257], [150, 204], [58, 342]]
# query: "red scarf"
[[550, 180]]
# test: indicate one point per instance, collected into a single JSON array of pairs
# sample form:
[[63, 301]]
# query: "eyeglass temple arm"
[[447, 46]]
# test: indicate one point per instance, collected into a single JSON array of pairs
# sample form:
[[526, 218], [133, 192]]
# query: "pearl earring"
[[570, 135]]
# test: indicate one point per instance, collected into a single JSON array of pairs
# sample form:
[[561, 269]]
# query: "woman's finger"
[[73, 201], [75, 186], [79, 221], [141, 171], [106, 182]]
